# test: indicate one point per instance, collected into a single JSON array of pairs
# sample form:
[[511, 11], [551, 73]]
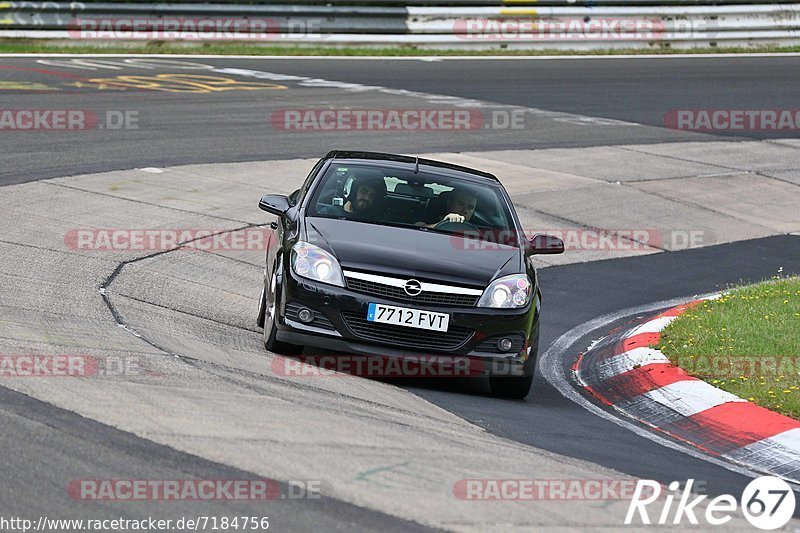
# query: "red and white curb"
[[624, 372]]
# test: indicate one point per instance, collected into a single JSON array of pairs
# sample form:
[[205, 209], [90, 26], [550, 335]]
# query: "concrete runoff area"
[[211, 390], [741, 196]]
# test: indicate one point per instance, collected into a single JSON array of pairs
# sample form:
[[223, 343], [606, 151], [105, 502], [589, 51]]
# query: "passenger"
[[365, 193]]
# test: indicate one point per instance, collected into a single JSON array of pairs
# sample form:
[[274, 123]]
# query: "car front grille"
[[452, 339], [397, 293]]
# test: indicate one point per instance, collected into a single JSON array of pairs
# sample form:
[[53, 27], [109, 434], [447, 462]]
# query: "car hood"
[[411, 253]]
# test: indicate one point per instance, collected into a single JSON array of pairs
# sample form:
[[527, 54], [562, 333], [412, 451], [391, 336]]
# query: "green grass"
[[28, 46], [747, 342]]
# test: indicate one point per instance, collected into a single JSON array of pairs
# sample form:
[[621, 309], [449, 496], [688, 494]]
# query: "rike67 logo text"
[[767, 503]]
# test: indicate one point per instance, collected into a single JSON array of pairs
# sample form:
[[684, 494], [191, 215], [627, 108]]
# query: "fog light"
[[505, 344], [305, 315]]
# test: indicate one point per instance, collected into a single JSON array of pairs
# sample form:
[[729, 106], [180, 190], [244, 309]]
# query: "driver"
[[364, 194], [460, 207]]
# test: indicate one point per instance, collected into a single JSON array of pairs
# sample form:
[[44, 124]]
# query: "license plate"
[[410, 318]]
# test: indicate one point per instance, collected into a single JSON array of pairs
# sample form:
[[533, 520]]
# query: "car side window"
[[297, 196]]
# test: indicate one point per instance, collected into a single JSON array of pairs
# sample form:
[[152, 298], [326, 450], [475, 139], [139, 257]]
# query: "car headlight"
[[313, 262], [509, 292]]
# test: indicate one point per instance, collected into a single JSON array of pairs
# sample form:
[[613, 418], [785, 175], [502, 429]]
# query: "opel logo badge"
[[413, 287]]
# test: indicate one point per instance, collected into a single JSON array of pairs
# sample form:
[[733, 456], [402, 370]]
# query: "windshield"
[[418, 201]]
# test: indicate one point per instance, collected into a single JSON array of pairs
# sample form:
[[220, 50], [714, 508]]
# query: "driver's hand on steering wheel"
[[453, 217]]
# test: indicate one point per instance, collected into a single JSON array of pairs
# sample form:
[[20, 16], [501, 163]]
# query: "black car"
[[396, 256]]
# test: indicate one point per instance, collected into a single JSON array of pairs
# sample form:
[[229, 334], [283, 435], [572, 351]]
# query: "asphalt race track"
[[180, 128], [213, 112]]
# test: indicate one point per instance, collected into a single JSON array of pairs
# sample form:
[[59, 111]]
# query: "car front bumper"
[[340, 329]]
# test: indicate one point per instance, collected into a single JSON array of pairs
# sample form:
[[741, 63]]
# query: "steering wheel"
[[457, 227]]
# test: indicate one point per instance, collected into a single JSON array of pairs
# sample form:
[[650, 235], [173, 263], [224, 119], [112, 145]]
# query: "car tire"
[[262, 306], [515, 387], [271, 305]]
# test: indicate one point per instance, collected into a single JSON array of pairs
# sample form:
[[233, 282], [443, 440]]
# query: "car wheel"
[[270, 318], [262, 306], [517, 387]]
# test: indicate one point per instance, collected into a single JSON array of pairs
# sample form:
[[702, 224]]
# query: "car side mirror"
[[276, 204], [546, 244]]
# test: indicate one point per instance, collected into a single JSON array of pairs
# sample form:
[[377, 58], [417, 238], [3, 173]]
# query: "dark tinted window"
[[378, 195]]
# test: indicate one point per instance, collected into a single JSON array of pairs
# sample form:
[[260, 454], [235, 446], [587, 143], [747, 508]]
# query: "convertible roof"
[[378, 156]]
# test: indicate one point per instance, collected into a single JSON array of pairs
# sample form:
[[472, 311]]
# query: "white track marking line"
[[626, 361], [434, 98], [652, 326], [788, 439], [689, 397]]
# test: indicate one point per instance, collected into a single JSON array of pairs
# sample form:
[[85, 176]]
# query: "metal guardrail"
[[549, 24], [417, 3]]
